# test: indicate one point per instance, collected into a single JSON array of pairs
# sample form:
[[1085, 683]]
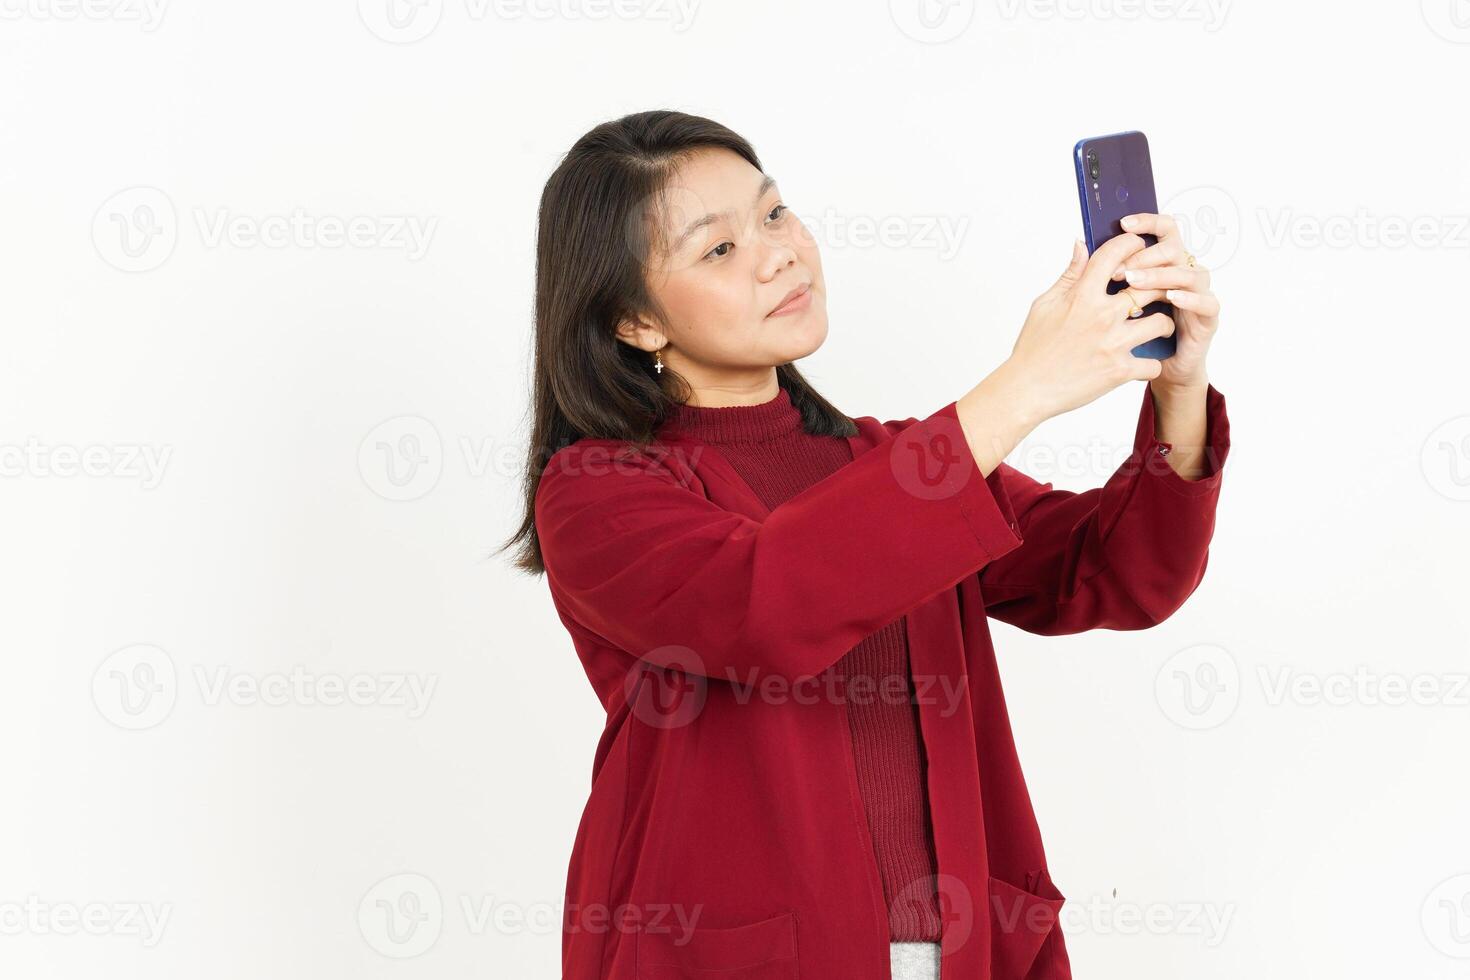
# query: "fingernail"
[[1134, 276], [1117, 272], [1171, 294], [1129, 221]]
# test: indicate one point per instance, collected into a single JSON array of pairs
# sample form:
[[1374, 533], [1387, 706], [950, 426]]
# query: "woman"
[[807, 769]]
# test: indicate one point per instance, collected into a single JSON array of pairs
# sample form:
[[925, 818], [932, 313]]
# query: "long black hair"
[[593, 244]]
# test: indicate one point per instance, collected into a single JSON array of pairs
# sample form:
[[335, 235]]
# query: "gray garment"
[[913, 961]]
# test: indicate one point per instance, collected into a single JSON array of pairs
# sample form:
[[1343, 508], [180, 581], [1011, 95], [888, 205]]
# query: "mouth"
[[795, 301]]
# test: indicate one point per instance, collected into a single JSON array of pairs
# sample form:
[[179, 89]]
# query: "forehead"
[[715, 183]]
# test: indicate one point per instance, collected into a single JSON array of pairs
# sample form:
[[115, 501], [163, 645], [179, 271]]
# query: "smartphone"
[[1115, 178]]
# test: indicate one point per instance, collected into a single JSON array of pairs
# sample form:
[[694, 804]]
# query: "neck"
[[725, 392], [774, 418]]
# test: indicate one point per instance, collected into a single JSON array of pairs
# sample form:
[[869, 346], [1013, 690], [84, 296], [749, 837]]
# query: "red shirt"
[[767, 445], [724, 830]]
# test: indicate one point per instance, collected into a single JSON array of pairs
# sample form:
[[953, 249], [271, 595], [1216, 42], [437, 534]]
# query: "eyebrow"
[[766, 184]]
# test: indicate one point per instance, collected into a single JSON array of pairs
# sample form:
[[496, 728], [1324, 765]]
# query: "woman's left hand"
[[1165, 265]]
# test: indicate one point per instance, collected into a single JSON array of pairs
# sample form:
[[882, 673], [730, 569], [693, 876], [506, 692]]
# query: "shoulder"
[[595, 467]]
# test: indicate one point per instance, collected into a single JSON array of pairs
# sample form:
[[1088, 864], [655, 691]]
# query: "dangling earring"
[[658, 361]]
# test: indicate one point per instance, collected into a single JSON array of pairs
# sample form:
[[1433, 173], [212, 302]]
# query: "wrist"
[[1021, 395], [1195, 387]]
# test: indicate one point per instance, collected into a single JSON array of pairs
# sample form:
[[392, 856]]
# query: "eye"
[[780, 207], [712, 252]]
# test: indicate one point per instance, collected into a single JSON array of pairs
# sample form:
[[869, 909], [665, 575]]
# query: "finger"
[[1169, 251], [1161, 226], [1123, 304], [1145, 368], [1204, 304], [1141, 331], [1170, 277], [1074, 268], [1108, 257]]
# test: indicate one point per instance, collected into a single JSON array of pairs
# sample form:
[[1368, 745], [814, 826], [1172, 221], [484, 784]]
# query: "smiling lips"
[[795, 301]]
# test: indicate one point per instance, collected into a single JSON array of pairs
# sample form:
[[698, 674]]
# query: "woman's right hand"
[[1076, 344]]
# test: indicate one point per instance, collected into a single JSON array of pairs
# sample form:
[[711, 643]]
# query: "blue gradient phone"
[[1115, 178]]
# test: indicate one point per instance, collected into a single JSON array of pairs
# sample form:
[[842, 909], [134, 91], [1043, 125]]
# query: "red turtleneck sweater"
[[767, 446]]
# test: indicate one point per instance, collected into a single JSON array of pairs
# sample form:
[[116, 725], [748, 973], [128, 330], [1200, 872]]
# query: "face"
[[732, 253]]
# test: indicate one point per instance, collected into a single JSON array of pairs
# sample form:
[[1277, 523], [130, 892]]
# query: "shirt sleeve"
[[637, 555], [1123, 556]]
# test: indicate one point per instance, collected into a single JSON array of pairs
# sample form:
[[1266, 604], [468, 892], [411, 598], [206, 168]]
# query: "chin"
[[808, 338]]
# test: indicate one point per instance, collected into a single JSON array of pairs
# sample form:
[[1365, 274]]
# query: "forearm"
[[1179, 419], [996, 415]]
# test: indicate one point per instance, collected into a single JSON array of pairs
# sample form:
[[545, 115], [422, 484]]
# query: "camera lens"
[[1093, 167]]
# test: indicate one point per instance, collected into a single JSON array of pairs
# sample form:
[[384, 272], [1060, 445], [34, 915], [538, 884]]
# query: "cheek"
[[709, 313]]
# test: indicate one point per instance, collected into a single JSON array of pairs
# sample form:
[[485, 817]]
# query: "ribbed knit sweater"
[[767, 446]]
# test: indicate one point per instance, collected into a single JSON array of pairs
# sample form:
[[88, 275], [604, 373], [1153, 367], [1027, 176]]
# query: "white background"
[[1315, 151]]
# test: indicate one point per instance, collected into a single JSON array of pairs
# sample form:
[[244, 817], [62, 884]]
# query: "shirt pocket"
[[763, 950], [1022, 919]]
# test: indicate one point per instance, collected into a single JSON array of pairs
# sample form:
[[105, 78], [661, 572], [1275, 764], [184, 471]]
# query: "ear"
[[640, 334]]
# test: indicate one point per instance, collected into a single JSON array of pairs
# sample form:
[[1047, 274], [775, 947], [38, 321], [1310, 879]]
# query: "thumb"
[[1073, 272]]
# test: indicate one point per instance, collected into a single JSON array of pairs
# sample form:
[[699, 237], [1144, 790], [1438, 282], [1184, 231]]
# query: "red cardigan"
[[724, 835]]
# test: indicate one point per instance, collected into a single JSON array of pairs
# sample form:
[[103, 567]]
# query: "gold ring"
[[1136, 310], [1190, 259]]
